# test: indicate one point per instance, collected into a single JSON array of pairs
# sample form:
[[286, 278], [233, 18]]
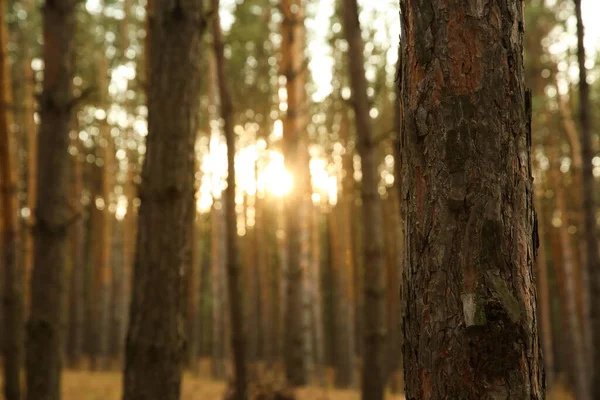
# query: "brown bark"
[[155, 344], [373, 376], [53, 214], [13, 279], [470, 326], [589, 208], [295, 152], [238, 339]]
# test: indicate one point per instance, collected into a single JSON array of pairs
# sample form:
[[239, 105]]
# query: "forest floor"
[[83, 385]]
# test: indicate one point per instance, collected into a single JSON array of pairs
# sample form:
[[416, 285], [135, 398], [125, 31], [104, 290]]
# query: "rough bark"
[[155, 344], [292, 66], [13, 278], [373, 376], [589, 207], [52, 212], [238, 340], [470, 325]]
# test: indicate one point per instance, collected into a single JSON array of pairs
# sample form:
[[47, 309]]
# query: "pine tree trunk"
[[32, 138], [53, 214], [589, 209], [543, 289], [292, 66], [155, 345], [373, 376], [317, 303], [218, 259], [470, 325], [577, 360], [76, 241], [13, 278], [238, 339], [345, 374]]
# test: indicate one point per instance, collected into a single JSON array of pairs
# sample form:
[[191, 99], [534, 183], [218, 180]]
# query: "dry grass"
[[81, 385], [84, 385]]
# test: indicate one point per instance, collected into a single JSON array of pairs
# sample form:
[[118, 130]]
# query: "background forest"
[[297, 252]]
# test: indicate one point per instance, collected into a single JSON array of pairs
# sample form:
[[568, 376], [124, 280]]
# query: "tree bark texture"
[[155, 344], [373, 376], [238, 342], [470, 324], [52, 212], [12, 300]]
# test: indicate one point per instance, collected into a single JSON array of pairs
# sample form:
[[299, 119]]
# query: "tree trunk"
[[238, 340], [192, 315], [577, 360], [292, 66], [373, 376], [317, 303], [348, 229], [589, 208], [76, 241], [13, 278], [544, 305], [32, 138], [345, 374], [218, 294], [155, 345], [53, 214], [470, 325]]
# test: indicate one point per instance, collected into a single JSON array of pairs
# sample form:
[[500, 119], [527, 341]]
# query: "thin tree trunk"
[[373, 376], [53, 214], [589, 208], [567, 264], [292, 66], [76, 241], [544, 305], [32, 138], [576, 171], [238, 339], [470, 325], [348, 230], [13, 279], [192, 315], [345, 374], [155, 345], [317, 304], [218, 258]]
